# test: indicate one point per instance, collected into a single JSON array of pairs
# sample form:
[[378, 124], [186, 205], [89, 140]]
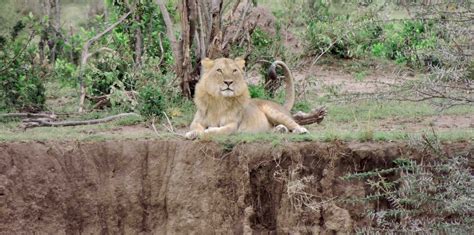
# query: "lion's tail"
[[289, 84]]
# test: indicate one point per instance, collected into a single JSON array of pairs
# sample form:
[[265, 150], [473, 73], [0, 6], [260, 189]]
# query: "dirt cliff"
[[182, 187]]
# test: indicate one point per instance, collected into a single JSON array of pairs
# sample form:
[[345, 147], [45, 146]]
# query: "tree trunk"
[[201, 26], [138, 42]]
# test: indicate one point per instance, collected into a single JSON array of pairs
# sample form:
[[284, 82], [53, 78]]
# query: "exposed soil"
[[182, 187]]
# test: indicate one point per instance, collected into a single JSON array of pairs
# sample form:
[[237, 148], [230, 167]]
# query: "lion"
[[224, 105]]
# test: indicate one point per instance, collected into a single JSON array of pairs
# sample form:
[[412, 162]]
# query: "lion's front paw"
[[191, 135], [280, 129], [300, 130]]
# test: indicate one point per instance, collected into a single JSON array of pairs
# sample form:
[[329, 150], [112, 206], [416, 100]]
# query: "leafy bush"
[[21, 75], [65, 72], [257, 91], [151, 101], [262, 46], [434, 197], [107, 71], [405, 42], [361, 35]]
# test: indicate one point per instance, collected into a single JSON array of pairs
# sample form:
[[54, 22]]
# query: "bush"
[[107, 71], [362, 35], [257, 91], [405, 42], [434, 197], [65, 72], [21, 75], [151, 102]]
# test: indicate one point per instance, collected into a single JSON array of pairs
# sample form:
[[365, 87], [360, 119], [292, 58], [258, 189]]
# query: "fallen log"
[[28, 115], [30, 123]]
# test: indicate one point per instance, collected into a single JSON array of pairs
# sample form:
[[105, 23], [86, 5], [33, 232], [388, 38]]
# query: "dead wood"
[[30, 123], [29, 115], [315, 116]]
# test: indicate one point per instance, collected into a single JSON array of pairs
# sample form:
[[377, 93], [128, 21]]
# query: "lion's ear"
[[207, 64], [240, 62]]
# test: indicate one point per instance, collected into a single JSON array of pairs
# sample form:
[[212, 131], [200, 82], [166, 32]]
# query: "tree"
[[203, 27], [51, 35]]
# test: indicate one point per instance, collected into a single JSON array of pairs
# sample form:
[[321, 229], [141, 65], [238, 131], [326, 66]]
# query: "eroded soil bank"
[[181, 187]]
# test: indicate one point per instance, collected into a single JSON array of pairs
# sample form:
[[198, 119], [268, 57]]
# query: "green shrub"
[[65, 72], [21, 75], [420, 197], [106, 71], [257, 91], [406, 42], [263, 46], [151, 102], [361, 35]]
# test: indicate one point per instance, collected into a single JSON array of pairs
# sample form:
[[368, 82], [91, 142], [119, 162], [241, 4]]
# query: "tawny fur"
[[224, 105]]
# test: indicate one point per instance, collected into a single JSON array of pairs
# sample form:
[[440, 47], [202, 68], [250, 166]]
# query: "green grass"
[[359, 121], [330, 135], [374, 110], [9, 132]]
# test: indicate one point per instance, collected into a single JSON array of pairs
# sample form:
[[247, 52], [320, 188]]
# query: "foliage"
[[151, 101], [21, 75], [65, 72], [257, 91], [425, 197], [107, 71], [262, 46], [365, 34]]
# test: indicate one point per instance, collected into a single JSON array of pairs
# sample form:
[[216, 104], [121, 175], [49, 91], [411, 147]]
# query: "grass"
[[9, 132], [373, 110], [331, 135], [359, 121]]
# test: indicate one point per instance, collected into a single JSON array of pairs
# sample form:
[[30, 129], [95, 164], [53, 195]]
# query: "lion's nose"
[[228, 82]]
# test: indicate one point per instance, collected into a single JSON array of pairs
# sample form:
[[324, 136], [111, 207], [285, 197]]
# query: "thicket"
[[366, 32], [21, 73], [130, 68], [430, 196], [120, 66]]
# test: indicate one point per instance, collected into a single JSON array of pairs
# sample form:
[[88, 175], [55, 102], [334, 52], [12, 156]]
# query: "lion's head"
[[223, 77]]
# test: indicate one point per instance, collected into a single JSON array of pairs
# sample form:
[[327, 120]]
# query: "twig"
[[170, 126], [153, 126]]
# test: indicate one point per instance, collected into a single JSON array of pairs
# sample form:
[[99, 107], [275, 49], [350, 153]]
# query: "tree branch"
[[85, 56]]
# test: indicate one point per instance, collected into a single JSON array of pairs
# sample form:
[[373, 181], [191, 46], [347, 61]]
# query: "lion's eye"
[[219, 70], [235, 71]]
